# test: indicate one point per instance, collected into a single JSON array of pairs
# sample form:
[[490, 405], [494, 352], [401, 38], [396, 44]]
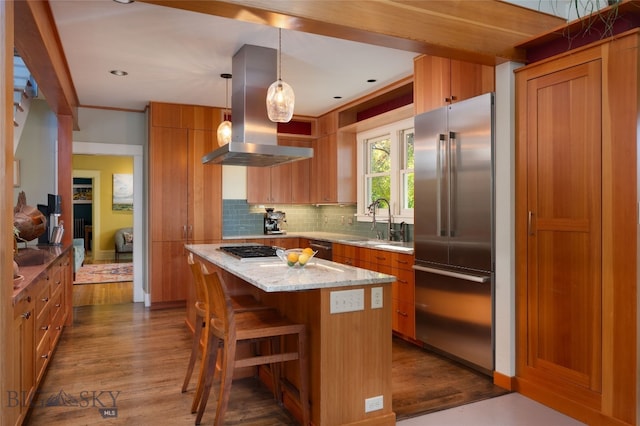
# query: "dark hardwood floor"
[[124, 364]]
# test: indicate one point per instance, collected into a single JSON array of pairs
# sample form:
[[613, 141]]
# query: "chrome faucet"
[[372, 209]]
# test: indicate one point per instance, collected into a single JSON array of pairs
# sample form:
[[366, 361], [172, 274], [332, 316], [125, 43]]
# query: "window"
[[385, 170]]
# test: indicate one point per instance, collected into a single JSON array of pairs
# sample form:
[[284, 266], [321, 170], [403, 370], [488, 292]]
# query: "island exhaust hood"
[[254, 139]]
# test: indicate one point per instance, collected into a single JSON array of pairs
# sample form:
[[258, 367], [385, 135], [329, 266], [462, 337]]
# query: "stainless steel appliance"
[[324, 249], [273, 221], [254, 140], [454, 224], [250, 252]]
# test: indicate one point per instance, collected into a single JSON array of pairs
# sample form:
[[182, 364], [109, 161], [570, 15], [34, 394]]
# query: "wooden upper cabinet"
[[184, 116], [441, 81], [300, 181], [333, 169]]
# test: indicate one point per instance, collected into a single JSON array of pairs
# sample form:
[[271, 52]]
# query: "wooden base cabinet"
[[576, 231], [403, 320], [40, 310]]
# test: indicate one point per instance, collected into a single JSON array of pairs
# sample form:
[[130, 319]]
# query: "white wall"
[[37, 153], [234, 183], [505, 315]]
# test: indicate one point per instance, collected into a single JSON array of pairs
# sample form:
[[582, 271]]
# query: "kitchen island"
[[349, 352]]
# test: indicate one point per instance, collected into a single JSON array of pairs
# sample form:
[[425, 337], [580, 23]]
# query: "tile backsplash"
[[241, 218]]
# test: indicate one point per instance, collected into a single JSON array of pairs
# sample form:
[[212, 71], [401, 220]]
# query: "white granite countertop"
[[273, 275], [353, 240]]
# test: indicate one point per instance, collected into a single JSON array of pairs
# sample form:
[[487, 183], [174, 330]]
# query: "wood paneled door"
[[564, 284], [577, 231]]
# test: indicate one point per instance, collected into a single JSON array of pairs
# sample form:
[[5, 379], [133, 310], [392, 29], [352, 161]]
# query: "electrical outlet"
[[373, 404], [346, 301], [342, 220], [376, 297]]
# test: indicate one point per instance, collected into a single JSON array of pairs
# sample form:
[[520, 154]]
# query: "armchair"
[[123, 242]]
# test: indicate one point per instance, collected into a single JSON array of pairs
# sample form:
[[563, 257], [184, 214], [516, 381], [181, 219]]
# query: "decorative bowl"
[[292, 257]]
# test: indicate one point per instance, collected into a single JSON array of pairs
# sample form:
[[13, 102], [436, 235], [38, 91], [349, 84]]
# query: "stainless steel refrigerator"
[[454, 230]]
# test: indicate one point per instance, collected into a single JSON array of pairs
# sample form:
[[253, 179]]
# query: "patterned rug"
[[104, 273]]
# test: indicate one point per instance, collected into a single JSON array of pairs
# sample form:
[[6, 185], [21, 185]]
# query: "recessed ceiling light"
[[371, 80], [337, 97], [123, 1], [119, 73]]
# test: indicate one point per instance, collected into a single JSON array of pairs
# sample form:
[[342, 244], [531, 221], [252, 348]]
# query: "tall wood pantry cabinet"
[[185, 196], [576, 231]]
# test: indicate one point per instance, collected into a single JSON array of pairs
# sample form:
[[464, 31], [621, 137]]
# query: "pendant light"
[[224, 129], [280, 97]]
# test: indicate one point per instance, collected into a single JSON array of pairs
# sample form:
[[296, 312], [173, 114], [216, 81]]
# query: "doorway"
[[135, 151]]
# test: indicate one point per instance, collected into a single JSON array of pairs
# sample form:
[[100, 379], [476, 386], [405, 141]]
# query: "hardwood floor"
[[125, 364]]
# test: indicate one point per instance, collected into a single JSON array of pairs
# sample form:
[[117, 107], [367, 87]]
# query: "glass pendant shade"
[[224, 129], [224, 133], [280, 102]]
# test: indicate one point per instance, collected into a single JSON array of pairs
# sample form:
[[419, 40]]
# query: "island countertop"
[[273, 275]]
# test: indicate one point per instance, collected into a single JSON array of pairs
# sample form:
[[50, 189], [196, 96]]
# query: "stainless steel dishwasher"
[[324, 249]]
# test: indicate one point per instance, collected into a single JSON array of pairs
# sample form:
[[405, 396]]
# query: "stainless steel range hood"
[[254, 140]]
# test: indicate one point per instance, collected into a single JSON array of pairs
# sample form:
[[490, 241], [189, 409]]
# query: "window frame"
[[395, 132]]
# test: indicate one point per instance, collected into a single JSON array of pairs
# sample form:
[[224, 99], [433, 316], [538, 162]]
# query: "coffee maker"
[[273, 221]]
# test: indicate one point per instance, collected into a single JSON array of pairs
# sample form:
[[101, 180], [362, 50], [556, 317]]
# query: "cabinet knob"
[[45, 356], [45, 327], [45, 300], [58, 305], [403, 281], [447, 100], [404, 314], [454, 98], [26, 315]]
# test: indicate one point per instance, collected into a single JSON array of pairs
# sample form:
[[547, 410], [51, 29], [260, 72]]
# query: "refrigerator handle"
[[459, 275], [453, 183], [442, 170]]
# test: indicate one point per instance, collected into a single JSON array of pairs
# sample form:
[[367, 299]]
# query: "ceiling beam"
[[482, 31], [38, 44]]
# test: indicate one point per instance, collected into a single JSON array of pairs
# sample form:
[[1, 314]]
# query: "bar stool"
[[239, 303], [228, 328]]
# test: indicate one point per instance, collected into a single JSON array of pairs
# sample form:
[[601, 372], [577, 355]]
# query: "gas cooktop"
[[247, 253]]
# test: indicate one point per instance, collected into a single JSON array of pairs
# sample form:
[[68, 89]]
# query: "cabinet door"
[[325, 169], [281, 183], [258, 185], [205, 189], [170, 274], [432, 82], [560, 293], [22, 379], [300, 175], [168, 184], [469, 80]]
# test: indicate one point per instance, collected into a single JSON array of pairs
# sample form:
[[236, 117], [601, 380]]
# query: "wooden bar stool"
[[228, 328], [239, 303]]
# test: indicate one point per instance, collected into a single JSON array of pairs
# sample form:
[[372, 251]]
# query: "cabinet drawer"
[[403, 288], [403, 318], [43, 353], [42, 300], [43, 324], [23, 305], [402, 261]]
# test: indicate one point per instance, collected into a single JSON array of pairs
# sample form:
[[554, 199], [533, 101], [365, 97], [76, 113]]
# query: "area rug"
[[104, 273]]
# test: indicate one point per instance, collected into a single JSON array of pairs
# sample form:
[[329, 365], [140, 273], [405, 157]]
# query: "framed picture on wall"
[[122, 192]]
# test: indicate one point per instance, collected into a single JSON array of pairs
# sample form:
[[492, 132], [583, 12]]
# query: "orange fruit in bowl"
[[308, 251], [292, 258]]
